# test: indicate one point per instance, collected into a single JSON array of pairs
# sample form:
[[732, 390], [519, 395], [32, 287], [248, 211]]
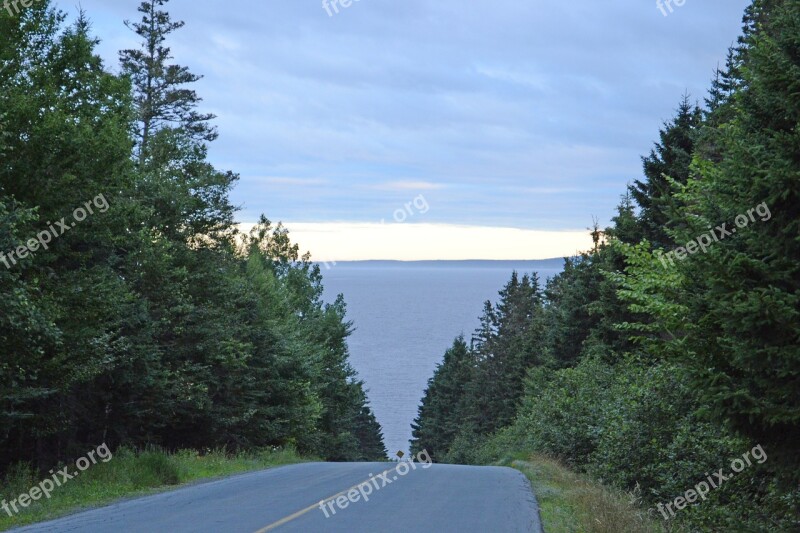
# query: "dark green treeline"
[[673, 346], [152, 321]]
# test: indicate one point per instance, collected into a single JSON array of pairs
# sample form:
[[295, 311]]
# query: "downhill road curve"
[[422, 498]]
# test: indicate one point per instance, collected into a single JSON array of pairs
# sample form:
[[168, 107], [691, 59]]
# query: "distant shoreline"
[[557, 262]]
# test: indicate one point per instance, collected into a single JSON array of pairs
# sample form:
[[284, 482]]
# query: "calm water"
[[406, 315]]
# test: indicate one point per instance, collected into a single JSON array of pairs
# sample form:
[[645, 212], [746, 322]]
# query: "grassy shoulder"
[[571, 503], [127, 474]]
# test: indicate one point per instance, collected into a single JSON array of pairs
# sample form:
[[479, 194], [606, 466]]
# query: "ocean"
[[406, 314]]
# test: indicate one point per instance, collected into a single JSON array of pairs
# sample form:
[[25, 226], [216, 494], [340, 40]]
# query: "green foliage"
[[732, 315], [445, 403], [477, 389], [507, 344], [153, 321], [648, 372], [668, 163], [162, 98], [562, 410]]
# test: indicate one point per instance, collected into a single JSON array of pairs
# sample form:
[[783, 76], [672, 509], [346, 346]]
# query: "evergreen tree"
[[668, 162], [731, 314], [150, 321], [445, 405], [161, 98], [507, 353]]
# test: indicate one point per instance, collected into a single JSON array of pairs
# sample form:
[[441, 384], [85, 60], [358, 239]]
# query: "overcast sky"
[[525, 114]]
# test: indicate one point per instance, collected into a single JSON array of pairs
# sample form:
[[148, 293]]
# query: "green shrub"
[[562, 411], [637, 426]]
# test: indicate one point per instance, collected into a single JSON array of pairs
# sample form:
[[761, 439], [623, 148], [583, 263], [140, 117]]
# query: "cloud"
[[517, 76], [505, 113], [291, 182], [226, 43], [409, 186]]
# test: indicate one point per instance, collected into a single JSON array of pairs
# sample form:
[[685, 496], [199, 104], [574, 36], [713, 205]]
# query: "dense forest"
[[674, 345], [133, 310]]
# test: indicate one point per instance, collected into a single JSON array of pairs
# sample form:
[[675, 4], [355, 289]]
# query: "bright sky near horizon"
[[334, 241], [516, 122]]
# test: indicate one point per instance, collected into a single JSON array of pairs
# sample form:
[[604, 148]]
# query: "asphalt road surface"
[[357, 497]]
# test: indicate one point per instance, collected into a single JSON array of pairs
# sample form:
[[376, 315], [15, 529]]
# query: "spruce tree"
[[162, 98], [670, 160], [445, 408]]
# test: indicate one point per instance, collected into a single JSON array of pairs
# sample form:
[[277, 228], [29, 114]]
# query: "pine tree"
[[724, 86], [670, 160], [732, 314], [445, 405], [512, 346], [149, 322], [162, 99]]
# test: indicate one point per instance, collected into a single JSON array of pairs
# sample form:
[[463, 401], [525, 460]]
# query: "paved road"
[[427, 498]]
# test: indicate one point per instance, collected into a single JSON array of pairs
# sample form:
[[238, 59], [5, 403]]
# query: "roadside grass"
[[572, 503], [129, 473]]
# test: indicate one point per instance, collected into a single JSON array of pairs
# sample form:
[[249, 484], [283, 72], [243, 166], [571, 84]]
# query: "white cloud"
[[292, 182], [226, 43], [521, 77], [529, 114], [408, 186]]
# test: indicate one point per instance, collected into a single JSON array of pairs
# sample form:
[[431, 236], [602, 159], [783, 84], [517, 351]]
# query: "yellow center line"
[[313, 506]]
